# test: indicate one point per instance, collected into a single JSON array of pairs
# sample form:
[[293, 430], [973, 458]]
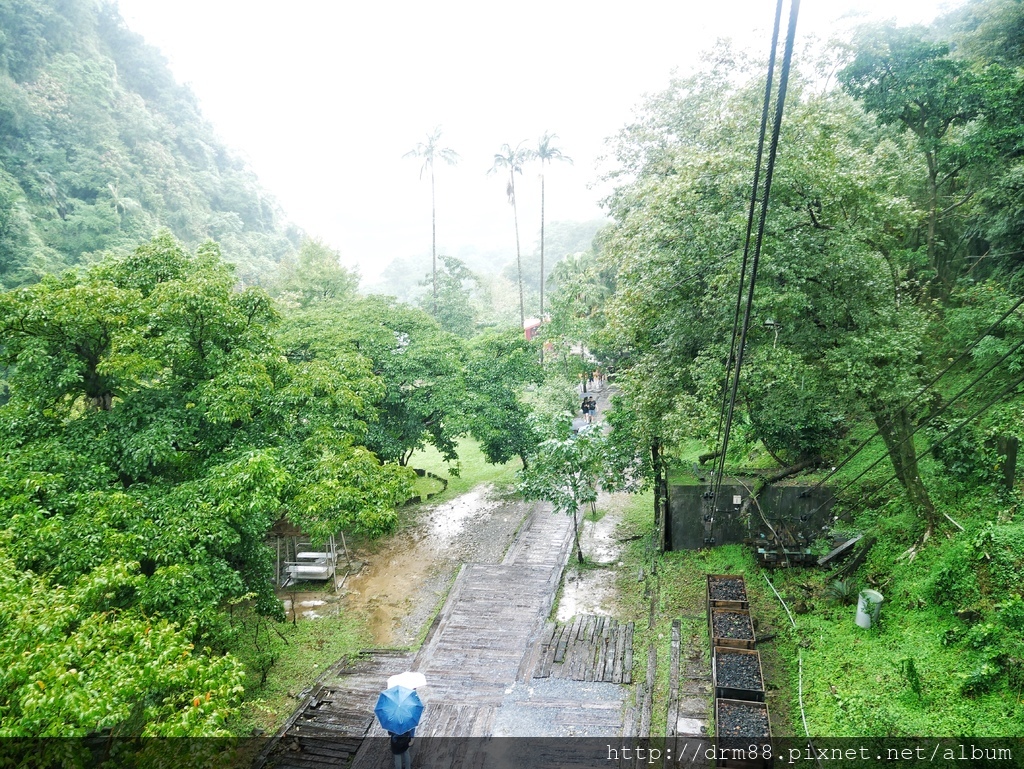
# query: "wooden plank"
[[627, 656], [563, 643], [600, 653], [620, 644], [648, 703], [673, 682], [574, 634], [840, 552]]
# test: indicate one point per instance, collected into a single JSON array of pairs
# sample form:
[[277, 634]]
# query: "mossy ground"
[[946, 657]]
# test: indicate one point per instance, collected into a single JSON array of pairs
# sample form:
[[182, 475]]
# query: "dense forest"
[[182, 369]]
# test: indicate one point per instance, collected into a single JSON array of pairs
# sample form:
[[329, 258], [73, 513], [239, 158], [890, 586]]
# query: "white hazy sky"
[[324, 97]]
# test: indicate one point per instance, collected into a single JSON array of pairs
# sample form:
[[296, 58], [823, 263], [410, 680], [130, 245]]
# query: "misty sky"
[[324, 97]]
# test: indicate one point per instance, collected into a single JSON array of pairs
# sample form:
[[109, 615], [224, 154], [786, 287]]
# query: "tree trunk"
[[660, 493], [785, 472], [519, 259], [542, 247], [433, 237], [542, 259], [576, 534], [895, 428]]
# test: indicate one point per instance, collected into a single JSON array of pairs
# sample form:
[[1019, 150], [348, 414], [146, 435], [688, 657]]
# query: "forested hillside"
[[99, 147]]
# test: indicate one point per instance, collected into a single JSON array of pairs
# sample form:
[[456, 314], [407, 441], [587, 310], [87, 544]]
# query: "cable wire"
[[780, 104], [922, 391], [765, 110]]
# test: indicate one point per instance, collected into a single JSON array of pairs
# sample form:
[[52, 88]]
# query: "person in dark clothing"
[[400, 744]]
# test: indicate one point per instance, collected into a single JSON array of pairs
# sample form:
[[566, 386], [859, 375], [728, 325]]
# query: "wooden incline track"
[[492, 634]]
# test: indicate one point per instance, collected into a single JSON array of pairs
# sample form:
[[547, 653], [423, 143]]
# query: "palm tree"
[[429, 150], [513, 160], [545, 153]]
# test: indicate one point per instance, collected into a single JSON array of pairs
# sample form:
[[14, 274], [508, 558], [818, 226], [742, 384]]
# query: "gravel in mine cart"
[[729, 624], [738, 671], [724, 589], [742, 721]]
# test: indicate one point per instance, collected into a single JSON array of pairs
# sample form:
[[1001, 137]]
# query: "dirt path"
[[406, 577]]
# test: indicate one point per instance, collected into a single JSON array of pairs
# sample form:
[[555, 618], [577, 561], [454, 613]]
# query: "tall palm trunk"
[[542, 247], [433, 238], [519, 259]]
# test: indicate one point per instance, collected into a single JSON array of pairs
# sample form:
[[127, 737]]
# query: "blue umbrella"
[[399, 709]]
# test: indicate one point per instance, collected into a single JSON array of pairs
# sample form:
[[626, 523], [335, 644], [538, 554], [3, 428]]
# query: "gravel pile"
[[727, 589], [740, 720], [731, 624], [738, 671]]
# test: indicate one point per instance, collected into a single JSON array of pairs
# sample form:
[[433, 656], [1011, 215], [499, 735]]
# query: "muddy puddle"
[[592, 590], [405, 577], [308, 605]]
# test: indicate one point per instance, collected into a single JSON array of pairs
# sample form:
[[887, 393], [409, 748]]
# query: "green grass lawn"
[[301, 652], [472, 469]]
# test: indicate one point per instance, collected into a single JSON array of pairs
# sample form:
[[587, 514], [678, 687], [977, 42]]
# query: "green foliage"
[[842, 591], [566, 472], [500, 365], [76, 661], [909, 672], [153, 434], [316, 275], [419, 382], [452, 305]]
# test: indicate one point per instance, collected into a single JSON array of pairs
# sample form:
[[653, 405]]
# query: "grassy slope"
[[922, 670], [473, 469]]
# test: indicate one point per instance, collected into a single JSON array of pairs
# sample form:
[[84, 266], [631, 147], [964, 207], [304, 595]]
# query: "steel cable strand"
[[765, 111], [769, 174], [913, 400]]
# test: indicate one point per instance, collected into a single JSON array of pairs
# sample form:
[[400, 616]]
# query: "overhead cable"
[[780, 104]]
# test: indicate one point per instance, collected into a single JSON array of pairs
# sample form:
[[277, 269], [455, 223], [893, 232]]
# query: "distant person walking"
[[592, 408], [585, 409]]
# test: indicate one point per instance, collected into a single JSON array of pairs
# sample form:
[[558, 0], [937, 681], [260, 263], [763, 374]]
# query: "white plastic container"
[[869, 603]]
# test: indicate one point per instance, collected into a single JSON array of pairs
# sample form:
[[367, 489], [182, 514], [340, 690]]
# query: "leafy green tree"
[[839, 322], [428, 151], [546, 152], [566, 472], [582, 290], [419, 366], [500, 366], [453, 304], [77, 660], [316, 276], [153, 434], [907, 81], [512, 160]]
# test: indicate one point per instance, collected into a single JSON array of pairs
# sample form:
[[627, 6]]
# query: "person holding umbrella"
[[400, 744], [399, 710]]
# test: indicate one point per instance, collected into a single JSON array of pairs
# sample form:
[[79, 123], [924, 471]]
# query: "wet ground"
[[405, 578], [400, 582], [591, 590]]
